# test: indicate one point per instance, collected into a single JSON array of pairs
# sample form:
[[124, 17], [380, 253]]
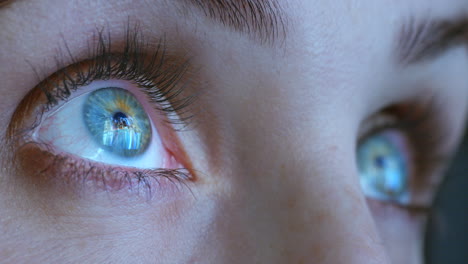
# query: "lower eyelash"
[[38, 162]]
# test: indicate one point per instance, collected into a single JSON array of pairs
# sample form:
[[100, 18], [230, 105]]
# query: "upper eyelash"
[[422, 122], [139, 61]]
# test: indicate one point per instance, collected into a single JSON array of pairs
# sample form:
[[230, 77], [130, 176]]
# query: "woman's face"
[[226, 131]]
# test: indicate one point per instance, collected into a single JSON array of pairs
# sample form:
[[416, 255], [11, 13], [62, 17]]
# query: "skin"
[[275, 141]]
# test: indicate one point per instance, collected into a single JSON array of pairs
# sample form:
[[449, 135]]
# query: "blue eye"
[[104, 123], [117, 121], [383, 167]]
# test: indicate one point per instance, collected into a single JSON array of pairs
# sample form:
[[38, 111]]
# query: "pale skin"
[[273, 142]]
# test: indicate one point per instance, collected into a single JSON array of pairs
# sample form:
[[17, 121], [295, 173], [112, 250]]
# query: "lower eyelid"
[[384, 210], [71, 175]]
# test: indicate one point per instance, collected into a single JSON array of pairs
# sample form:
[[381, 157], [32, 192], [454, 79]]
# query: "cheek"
[[401, 231]]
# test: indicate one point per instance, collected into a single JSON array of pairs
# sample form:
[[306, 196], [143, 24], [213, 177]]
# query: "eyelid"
[[150, 66], [62, 171], [148, 72]]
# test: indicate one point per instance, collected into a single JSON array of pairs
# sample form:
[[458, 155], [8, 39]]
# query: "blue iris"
[[382, 167], [117, 121]]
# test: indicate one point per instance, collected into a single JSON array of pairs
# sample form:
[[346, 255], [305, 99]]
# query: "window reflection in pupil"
[[121, 121], [379, 161], [117, 121]]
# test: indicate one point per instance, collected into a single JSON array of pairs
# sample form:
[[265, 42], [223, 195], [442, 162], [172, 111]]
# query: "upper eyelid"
[[158, 71], [179, 112]]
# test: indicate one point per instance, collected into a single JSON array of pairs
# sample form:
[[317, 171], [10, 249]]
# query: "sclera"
[[75, 139]]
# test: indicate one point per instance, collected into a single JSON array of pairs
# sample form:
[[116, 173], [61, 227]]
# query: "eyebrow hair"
[[423, 40], [264, 20], [5, 3], [418, 41]]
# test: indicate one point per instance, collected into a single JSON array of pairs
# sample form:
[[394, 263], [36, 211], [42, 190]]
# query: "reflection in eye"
[[108, 125], [383, 167], [400, 152], [117, 121]]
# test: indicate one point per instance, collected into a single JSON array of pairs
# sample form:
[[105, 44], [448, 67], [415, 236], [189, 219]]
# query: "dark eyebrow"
[[263, 20], [422, 40], [4, 3]]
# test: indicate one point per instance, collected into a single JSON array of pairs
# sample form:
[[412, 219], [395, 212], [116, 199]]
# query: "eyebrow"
[[4, 3], [423, 40], [418, 41], [263, 20]]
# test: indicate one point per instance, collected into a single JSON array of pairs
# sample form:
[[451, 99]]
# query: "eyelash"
[[420, 122], [108, 178], [157, 75]]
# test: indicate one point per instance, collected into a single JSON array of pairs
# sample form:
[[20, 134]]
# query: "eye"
[[108, 121], [400, 153], [382, 162], [107, 125]]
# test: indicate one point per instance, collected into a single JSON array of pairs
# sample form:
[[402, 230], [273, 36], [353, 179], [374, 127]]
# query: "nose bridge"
[[329, 215], [300, 190], [318, 210]]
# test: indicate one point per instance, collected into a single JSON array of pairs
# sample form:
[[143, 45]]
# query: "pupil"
[[117, 121], [121, 120], [380, 162]]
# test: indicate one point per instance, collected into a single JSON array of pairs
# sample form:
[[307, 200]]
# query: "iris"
[[382, 168], [117, 121]]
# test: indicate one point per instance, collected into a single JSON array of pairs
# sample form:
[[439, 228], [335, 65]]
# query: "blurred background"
[[447, 232]]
